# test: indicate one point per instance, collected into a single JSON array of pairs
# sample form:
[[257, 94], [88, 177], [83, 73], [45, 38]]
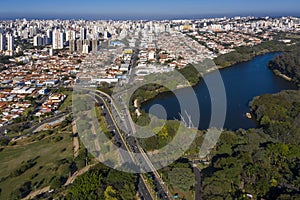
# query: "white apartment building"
[[57, 39], [70, 35], [10, 43], [2, 42]]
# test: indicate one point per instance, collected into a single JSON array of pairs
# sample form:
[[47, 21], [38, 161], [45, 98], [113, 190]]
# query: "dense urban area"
[[43, 156]]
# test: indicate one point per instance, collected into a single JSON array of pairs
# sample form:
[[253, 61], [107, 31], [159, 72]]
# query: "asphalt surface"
[[52, 119], [34, 126], [197, 173], [133, 64], [142, 190], [132, 144], [125, 125]]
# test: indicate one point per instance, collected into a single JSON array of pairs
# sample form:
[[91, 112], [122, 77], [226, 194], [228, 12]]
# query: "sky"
[[145, 9]]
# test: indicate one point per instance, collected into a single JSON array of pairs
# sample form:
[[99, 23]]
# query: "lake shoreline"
[[240, 77], [210, 70]]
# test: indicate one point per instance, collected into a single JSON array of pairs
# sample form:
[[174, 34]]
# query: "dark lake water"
[[242, 83]]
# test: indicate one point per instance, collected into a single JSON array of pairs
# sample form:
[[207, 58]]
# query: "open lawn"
[[47, 157], [68, 101]]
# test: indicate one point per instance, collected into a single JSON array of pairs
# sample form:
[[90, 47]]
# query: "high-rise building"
[[85, 48], [87, 42], [49, 36], [94, 45], [31, 31], [10, 43], [50, 52], [72, 46], [79, 47], [82, 33], [107, 35], [38, 40], [57, 39], [70, 35], [25, 34], [2, 42], [45, 40]]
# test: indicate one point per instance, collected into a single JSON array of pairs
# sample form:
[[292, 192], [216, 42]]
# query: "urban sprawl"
[[38, 56]]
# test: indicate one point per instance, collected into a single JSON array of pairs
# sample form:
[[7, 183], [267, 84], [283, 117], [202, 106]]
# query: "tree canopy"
[[261, 162]]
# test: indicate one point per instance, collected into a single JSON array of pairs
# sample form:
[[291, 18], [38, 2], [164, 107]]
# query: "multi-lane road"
[[143, 189], [197, 173], [119, 120], [130, 141]]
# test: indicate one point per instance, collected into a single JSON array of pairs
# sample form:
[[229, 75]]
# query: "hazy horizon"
[[135, 10], [102, 17]]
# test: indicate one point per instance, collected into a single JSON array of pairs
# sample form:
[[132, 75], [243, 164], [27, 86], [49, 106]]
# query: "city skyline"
[[144, 10], [149, 100]]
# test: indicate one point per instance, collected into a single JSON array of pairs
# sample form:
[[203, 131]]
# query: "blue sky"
[[144, 9]]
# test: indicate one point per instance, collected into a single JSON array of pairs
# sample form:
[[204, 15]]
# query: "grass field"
[[293, 36], [48, 154], [68, 101]]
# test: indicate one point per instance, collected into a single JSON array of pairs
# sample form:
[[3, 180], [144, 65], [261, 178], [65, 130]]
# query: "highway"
[[119, 139], [197, 173], [121, 118], [143, 190], [147, 165]]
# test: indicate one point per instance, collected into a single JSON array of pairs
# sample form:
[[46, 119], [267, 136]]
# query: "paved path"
[[197, 172], [42, 126], [37, 192], [72, 178], [75, 139], [69, 181]]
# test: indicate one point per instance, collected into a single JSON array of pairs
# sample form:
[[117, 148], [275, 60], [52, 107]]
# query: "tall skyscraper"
[[85, 49], [79, 46], [38, 40], [49, 36], [72, 46], [57, 39], [70, 35], [25, 34], [82, 33], [10, 43], [94, 45], [2, 42], [45, 39]]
